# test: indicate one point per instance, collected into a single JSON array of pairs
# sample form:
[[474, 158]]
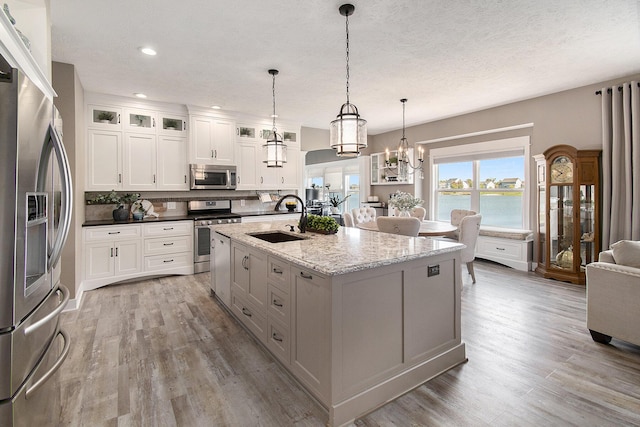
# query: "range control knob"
[[219, 221], [209, 222], [228, 221]]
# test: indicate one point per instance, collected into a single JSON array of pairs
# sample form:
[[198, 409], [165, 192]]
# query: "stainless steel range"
[[204, 214]]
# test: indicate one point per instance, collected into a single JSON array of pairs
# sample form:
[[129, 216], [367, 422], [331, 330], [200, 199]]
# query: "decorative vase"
[[335, 210], [565, 258], [120, 214], [404, 212], [137, 216]]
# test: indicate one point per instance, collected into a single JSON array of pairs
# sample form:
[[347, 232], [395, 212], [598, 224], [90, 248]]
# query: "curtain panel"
[[620, 163]]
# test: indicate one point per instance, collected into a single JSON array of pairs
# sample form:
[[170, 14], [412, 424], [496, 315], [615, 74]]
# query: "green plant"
[[393, 160], [170, 123], [113, 198], [335, 200], [105, 115], [322, 223], [137, 207]]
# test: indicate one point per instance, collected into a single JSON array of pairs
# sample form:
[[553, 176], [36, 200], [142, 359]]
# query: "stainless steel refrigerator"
[[35, 215]]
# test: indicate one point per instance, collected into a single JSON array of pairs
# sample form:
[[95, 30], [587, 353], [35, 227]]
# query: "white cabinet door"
[[172, 124], [172, 163], [139, 121], [212, 140], [128, 257], [140, 162], [104, 160], [246, 158], [224, 132], [290, 173], [98, 260], [268, 178]]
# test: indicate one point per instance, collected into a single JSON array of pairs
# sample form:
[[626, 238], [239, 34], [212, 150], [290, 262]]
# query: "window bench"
[[508, 246]]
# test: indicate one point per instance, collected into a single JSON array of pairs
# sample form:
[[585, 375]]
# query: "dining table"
[[427, 228]]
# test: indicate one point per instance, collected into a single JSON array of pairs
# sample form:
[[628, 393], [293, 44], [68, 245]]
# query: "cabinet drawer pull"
[[114, 232], [501, 249], [276, 337], [168, 244], [306, 276], [245, 264], [277, 271], [167, 260], [277, 303], [116, 251], [168, 228], [246, 312]]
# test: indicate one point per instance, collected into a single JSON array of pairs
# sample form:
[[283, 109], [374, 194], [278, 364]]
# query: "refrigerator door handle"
[[53, 141], [53, 314], [54, 368]]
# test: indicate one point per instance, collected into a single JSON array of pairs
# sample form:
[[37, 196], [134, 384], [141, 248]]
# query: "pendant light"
[[275, 150], [404, 167], [348, 132]]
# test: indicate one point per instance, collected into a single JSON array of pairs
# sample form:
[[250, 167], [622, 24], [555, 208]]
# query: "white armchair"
[[361, 215], [613, 294]]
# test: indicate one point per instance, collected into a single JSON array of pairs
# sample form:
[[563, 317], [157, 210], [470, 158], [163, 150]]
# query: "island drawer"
[[167, 245], [279, 341], [249, 317], [168, 228], [279, 273], [167, 262], [279, 305], [110, 233]]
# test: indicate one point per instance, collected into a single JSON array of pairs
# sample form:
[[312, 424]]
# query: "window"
[[487, 177]]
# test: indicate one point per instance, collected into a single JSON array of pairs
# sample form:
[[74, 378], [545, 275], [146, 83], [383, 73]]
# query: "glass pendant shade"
[[275, 151], [348, 132]]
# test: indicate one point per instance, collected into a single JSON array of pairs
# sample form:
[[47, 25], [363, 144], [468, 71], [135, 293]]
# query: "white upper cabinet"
[[173, 168], [104, 117], [212, 140], [104, 160], [172, 125], [140, 162]]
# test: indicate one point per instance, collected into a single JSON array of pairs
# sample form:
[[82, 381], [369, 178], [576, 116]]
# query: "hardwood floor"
[[162, 352]]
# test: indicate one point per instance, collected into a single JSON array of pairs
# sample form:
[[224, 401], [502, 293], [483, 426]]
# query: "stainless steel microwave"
[[213, 177]]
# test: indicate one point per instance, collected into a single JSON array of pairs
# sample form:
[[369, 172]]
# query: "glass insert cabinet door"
[[568, 197]]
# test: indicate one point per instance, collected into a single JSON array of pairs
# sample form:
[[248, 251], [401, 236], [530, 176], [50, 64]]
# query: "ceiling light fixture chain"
[[347, 29], [273, 92]]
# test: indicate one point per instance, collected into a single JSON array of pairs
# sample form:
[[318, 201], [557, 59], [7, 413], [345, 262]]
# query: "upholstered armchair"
[[456, 220], [348, 219], [613, 294], [365, 214], [406, 226]]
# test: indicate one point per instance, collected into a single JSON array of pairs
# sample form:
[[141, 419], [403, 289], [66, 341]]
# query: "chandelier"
[[275, 149], [348, 132], [404, 168]]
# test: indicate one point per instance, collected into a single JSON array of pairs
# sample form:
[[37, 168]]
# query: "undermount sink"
[[276, 236]]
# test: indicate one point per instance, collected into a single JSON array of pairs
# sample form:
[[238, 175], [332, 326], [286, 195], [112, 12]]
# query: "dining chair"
[[469, 229], [406, 226], [364, 214], [456, 219], [348, 219]]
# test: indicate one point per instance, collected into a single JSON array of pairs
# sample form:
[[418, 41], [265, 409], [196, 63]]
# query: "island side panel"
[[403, 290]]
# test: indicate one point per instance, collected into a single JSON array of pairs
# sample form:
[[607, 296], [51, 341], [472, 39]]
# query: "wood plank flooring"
[[162, 352]]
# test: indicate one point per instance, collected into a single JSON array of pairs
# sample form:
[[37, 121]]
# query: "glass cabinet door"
[[561, 226], [542, 224], [587, 225]]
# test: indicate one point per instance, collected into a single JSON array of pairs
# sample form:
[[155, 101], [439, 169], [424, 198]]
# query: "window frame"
[[475, 152]]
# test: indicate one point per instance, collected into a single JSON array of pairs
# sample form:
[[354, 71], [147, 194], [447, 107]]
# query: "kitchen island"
[[358, 317]]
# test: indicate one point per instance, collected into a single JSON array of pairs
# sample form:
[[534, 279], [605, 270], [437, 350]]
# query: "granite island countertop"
[[349, 250]]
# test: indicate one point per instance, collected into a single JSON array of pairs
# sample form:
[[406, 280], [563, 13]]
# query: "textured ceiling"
[[446, 57]]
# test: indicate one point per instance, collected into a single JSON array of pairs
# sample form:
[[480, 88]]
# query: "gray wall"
[[70, 103]]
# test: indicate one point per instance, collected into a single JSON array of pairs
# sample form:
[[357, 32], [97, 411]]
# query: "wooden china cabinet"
[[568, 193]]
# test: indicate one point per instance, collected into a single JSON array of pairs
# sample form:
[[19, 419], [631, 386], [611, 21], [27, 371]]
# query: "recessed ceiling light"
[[148, 51], [140, 95], [216, 107]]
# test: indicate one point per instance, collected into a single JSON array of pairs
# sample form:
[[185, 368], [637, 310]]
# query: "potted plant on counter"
[[322, 224], [336, 202], [113, 198]]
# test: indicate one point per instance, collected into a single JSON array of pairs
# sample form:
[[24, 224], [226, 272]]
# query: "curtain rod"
[[599, 92]]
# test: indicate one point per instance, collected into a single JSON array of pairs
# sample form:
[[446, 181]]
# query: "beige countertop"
[[350, 249]]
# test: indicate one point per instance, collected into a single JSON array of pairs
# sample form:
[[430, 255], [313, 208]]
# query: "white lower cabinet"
[[120, 252]]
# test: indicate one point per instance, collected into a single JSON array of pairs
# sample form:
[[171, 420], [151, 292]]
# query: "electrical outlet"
[[171, 205], [433, 270]]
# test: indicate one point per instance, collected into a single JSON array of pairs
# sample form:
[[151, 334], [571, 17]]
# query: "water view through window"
[[492, 187]]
